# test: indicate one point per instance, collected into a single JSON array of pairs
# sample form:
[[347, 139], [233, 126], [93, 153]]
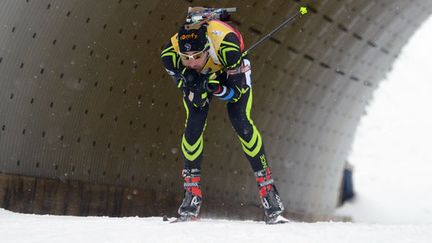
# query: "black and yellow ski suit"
[[225, 53]]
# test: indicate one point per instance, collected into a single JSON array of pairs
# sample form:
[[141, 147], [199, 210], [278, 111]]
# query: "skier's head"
[[192, 39], [193, 47]]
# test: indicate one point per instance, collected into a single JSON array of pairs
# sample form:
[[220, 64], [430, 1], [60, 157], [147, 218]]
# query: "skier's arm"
[[229, 53], [233, 90], [230, 56], [187, 80], [171, 61]]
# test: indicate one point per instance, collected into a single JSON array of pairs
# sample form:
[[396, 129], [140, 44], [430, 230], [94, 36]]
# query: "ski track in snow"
[[15, 227]]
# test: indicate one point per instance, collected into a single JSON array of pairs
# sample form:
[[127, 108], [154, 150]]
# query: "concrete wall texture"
[[84, 99]]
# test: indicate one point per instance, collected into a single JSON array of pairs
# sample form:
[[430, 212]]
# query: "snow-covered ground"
[[392, 162], [35, 228]]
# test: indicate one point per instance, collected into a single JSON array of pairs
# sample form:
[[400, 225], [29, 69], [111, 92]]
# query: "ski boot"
[[190, 207], [270, 198]]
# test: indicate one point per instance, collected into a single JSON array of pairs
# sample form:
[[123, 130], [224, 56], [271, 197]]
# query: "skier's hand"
[[194, 81], [177, 78], [212, 85]]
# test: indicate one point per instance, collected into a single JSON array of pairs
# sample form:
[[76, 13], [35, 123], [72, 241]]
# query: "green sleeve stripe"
[[180, 83], [173, 57], [230, 44], [167, 49], [235, 64], [224, 52], [168, 54], [222, 60], [178, 63], [227, 49]]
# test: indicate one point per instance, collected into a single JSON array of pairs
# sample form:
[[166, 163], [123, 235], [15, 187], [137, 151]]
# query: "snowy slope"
[[36, 228]]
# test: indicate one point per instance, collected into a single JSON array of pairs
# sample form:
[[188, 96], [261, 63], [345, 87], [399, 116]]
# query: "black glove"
[[211, 85], [178, 79], [194, 81]]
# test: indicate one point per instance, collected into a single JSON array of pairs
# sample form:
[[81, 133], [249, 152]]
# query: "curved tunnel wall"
[[84, 97]]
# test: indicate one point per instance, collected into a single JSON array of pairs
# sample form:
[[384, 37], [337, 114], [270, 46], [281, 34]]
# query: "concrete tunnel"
[[90, 123]]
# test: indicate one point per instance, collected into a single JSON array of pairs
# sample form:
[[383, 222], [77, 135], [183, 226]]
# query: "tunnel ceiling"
[[84, 96]]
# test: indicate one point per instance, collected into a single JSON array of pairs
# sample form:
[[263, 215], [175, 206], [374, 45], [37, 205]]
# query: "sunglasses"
[[194, 56]]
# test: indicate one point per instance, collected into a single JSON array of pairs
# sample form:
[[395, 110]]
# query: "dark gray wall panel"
[[84, 97]]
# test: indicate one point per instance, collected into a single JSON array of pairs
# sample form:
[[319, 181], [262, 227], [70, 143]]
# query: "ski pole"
[[302, 11]]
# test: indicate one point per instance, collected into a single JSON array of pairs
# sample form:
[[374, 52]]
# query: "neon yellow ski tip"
[[303, 10]]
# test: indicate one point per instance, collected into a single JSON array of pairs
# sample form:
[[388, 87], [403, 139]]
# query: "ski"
[[268, 220], [279, 219], [181, 219]]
